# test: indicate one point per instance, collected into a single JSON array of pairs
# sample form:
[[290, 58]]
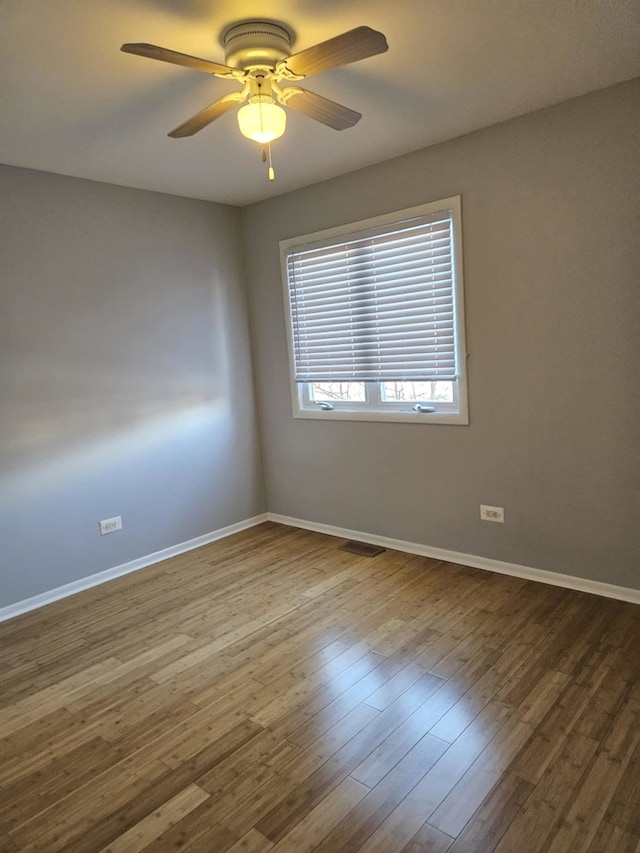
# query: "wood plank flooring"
[[270, 692]]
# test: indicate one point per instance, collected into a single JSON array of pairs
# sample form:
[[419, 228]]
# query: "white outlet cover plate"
[[492, 513], [110, 525]]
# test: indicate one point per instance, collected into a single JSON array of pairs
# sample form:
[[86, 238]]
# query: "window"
[[376, 318]]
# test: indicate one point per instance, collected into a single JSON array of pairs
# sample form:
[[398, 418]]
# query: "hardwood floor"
[[270, 692]]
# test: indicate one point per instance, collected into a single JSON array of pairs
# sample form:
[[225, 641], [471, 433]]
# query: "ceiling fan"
[[257, 56]]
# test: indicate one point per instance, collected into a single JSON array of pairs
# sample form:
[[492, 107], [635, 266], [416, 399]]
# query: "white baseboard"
[[126, 568], [541, 575]]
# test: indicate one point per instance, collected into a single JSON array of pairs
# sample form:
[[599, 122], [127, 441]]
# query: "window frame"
[[456, 413]]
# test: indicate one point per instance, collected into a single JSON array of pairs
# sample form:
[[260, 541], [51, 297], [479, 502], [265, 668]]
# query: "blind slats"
[[416, 309], [394, 284], [319, 265], [376, 306]]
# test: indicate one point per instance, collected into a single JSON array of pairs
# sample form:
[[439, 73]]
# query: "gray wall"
[[125, 376], [551, 219]]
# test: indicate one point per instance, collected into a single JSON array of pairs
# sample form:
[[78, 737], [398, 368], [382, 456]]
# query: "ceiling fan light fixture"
[[258, 57], [262, 120]]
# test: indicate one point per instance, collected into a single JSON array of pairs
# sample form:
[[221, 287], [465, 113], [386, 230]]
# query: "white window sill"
[[449, 418]]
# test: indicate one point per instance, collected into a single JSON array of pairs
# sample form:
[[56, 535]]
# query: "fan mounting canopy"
[[256, 44]]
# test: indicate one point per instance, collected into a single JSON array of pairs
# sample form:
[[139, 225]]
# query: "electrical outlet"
[[492, 513], [110, 525]]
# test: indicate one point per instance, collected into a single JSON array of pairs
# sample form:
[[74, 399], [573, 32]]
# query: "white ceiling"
[[72, 103]]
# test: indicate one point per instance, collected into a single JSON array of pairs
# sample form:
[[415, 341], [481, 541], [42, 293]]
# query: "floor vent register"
[[362, 549]]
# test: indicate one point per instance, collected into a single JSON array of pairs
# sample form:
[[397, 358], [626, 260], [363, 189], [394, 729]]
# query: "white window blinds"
[[377, 305]]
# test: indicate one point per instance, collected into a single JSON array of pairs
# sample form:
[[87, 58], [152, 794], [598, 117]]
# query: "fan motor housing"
[[255, 44]]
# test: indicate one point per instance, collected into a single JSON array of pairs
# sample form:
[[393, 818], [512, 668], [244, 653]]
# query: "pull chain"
[[271, 173]]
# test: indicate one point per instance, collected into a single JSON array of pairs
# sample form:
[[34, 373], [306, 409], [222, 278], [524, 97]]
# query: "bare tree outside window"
[[413, 392], [347, 391]]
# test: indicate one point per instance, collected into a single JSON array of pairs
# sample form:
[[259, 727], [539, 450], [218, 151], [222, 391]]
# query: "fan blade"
[[321, 109], [349, 47], [208, 114], [152, 51]]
